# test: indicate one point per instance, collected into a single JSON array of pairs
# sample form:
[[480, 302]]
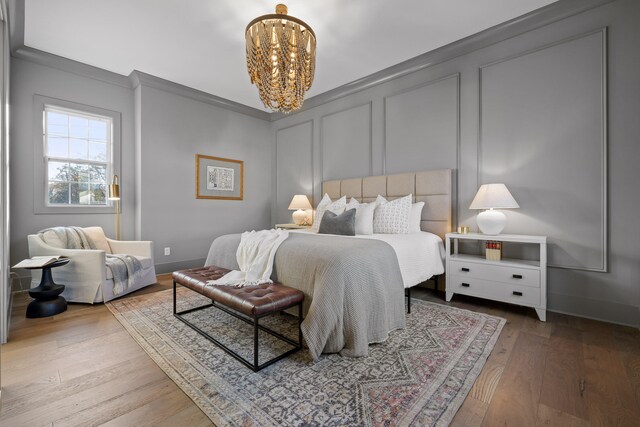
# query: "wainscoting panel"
[[422, 127], [345, 143], [294, 166], [543, 133]]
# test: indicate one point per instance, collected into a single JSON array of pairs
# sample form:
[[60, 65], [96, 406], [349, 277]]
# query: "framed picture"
[[218, 178]]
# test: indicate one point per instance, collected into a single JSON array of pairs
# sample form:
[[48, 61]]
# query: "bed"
[[354, 286]]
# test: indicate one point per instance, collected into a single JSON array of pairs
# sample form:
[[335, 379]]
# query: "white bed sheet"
[[420, 255]]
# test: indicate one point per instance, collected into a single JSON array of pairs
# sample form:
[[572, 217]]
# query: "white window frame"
[[41, 158]]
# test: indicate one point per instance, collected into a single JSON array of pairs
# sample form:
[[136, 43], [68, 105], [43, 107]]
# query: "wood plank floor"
[[81, 368]]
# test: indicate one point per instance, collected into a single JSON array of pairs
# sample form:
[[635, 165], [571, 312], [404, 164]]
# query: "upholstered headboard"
[[434, 188]]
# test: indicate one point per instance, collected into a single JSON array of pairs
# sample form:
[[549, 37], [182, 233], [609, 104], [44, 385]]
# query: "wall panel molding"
[[456, 165], [278, 165], [322, 147], [414, 88], [603, 140]]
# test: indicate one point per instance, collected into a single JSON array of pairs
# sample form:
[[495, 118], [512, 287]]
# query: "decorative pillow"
[[415, 217], [336, 207], [364, 216], [99, 239], [392, 217], [343, 224]]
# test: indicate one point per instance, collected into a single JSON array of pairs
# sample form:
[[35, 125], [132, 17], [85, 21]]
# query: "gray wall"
[[173, 129], [27, 80], [161, 133], [551, 112]]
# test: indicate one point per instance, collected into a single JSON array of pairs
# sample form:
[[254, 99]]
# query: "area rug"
[[419, 376]]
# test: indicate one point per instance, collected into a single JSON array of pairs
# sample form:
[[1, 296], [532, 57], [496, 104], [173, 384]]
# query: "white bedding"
[[420, 255]]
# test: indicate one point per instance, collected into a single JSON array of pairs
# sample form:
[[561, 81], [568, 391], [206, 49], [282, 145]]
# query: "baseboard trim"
[[20, 283], [588, 308], [170, 267]]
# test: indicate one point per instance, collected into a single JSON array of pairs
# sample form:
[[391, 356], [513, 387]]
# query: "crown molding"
[[139, 78], [538, 18], [15, 12], [135, 79], [546, 15], [69, 65]]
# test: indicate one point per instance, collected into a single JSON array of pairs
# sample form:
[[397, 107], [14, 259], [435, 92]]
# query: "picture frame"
[[219, 178]]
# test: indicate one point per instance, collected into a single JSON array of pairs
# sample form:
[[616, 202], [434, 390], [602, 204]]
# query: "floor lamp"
[[114, 194]]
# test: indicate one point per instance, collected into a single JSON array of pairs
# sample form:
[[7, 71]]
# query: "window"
[[78, 164], [76, 154]]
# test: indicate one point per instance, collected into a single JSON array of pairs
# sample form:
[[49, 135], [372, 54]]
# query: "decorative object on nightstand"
[[293, 226], [299, 204], [516, 281], [114, 194], [490, 197]]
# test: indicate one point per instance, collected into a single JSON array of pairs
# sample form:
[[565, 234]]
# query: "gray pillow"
[[343, 224]]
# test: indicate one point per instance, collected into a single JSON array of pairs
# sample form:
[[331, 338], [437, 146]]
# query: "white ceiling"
[[200, 43]]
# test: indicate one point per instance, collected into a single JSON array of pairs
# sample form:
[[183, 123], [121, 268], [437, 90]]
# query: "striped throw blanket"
[[126, 269]]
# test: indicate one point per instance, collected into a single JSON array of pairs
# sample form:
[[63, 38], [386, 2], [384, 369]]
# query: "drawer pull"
[[466, 285], [517, 276], [518, 294], [465, 269]]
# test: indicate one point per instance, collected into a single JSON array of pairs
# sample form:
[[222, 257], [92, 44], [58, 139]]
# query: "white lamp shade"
[[299, 201], [493, 196]]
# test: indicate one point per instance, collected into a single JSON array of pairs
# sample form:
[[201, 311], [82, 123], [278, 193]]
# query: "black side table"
[[47, 294]]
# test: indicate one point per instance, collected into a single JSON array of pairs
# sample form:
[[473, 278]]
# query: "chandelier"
[[281, 59]]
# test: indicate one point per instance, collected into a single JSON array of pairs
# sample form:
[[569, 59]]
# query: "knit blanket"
[[255, 255], [354, 294], [125, 269]]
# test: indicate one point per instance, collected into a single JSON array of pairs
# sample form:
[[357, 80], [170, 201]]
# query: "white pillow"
[[415, 217], [336, 207], [392, 217], [364, 216]]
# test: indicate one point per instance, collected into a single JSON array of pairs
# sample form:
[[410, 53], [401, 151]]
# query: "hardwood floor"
[[82, 368]]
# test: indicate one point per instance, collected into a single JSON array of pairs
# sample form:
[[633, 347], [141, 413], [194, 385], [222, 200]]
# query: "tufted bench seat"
[[249, 303]]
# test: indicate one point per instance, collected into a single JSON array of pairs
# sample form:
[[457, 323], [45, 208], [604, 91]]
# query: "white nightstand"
[[293, 226], [515, 281]]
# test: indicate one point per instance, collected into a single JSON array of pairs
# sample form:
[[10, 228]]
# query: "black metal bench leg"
[[255, 344], [174, 297]]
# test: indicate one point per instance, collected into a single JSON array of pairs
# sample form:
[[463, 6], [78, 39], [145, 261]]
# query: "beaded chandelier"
[[281, 59]]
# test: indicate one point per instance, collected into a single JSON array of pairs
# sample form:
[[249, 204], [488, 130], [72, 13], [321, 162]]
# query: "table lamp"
[[114, 194], [299, 203], [490, 197]]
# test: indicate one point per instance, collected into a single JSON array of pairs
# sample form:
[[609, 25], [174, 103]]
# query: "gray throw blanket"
[[125, 269], [354, 294]]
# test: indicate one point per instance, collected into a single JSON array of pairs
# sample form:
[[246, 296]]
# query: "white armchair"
[[86, 277]]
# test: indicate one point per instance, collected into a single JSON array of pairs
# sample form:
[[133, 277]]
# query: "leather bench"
[[249, 303]]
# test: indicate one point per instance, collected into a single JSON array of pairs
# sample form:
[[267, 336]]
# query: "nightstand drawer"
[[497, 273], [522, 295]]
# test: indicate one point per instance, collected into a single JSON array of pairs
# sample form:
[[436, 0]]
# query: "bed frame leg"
[[300, 325], [409, 300], [435, 281]]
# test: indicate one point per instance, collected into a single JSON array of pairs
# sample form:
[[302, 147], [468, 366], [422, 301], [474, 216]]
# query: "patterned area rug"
[[420, 376]]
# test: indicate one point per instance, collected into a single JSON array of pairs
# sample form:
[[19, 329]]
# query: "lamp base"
[[299, 217], [491, 222]]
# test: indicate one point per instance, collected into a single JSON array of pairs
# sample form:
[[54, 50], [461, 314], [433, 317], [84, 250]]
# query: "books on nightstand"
[[493, 250]]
